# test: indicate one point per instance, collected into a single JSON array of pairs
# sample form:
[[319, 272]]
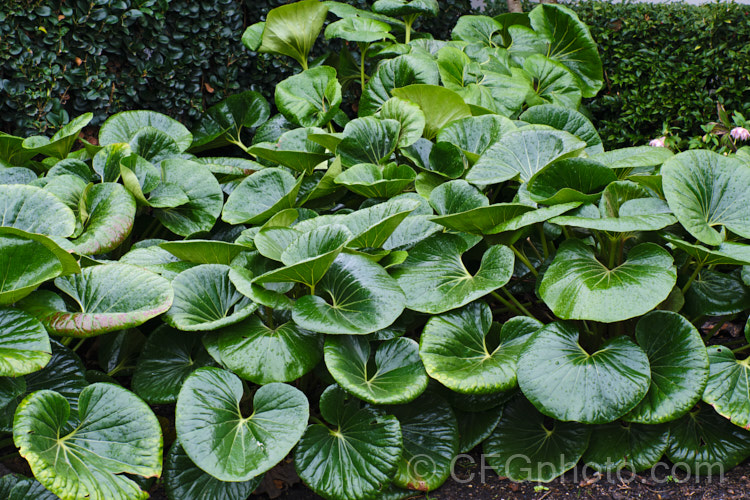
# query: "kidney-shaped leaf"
[[292, 29], [440, 105], [203, 192], [368, 140], [578, 286], [260, 196], [167, 358], [110, 210], [311, 98], [467, 353], [206, 299], [110, 297], [28, 260], [435, 280], [566, 382], [707, 444], [396, 376], [618, 445], [728, 388], [679, 367], [525, 446], [183, 480], [125, 126], [87, 456], [523, 153], [222, 441], [357, 457], [24, 344], [35, 210], [263, 354], [430, 439], [705, 190], [356, 296]]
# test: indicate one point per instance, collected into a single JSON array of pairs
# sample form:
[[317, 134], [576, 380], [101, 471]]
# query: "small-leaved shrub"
[[462, 264]]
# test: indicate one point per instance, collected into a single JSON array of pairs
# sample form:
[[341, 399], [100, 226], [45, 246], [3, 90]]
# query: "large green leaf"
[[124, 127], [221, 439], [374, 181], [199, 214], [28, 260], [62, 142], [368, 140], [260, 196], [264, 353], [578, 286], [35, 210], [728, 388], [627, 159], [731, 253], [311, 98], [430, 439], [206, 299], [679, 367], [467, 353], [167, 358], [522, 153], [24, 344], [551, 83], [439, 105], [294, 150], [393, 375], [475, 134], [715, 294], [354, 459], [566, 382], [566, 119], [223, 123], [706, 444], [618, 445], [308, 256], [502, 217], [109, 298], [434, 278], [14, 487], [184, 480], [359, 29], [87, 456], [568, 41], [572, 179], [291, 29], [706, 190], [476, 29], [395, 73], [475, 426], [525, 446], [110, 214], [406, 7], [356, 296], [409, 115], [204, 251]]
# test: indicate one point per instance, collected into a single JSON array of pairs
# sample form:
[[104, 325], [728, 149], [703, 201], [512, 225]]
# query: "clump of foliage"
[[461, 264]]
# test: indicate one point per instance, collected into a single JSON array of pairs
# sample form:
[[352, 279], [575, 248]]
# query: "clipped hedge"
[[667, 64], [61, 58]]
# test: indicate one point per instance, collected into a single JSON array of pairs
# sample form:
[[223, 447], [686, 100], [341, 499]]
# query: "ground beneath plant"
[[664, 483]]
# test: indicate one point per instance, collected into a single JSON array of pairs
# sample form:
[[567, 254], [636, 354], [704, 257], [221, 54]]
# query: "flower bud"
[[659, 142], [740, 133]]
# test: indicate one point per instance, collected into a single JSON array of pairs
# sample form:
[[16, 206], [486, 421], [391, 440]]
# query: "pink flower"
[[740, 133], [658, 143]]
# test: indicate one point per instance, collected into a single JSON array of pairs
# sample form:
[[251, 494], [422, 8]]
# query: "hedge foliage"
[[666, 64], [61, 58]]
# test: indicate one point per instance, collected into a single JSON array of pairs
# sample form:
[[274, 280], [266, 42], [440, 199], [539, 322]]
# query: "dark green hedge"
[[61, 58], [666, 63]]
